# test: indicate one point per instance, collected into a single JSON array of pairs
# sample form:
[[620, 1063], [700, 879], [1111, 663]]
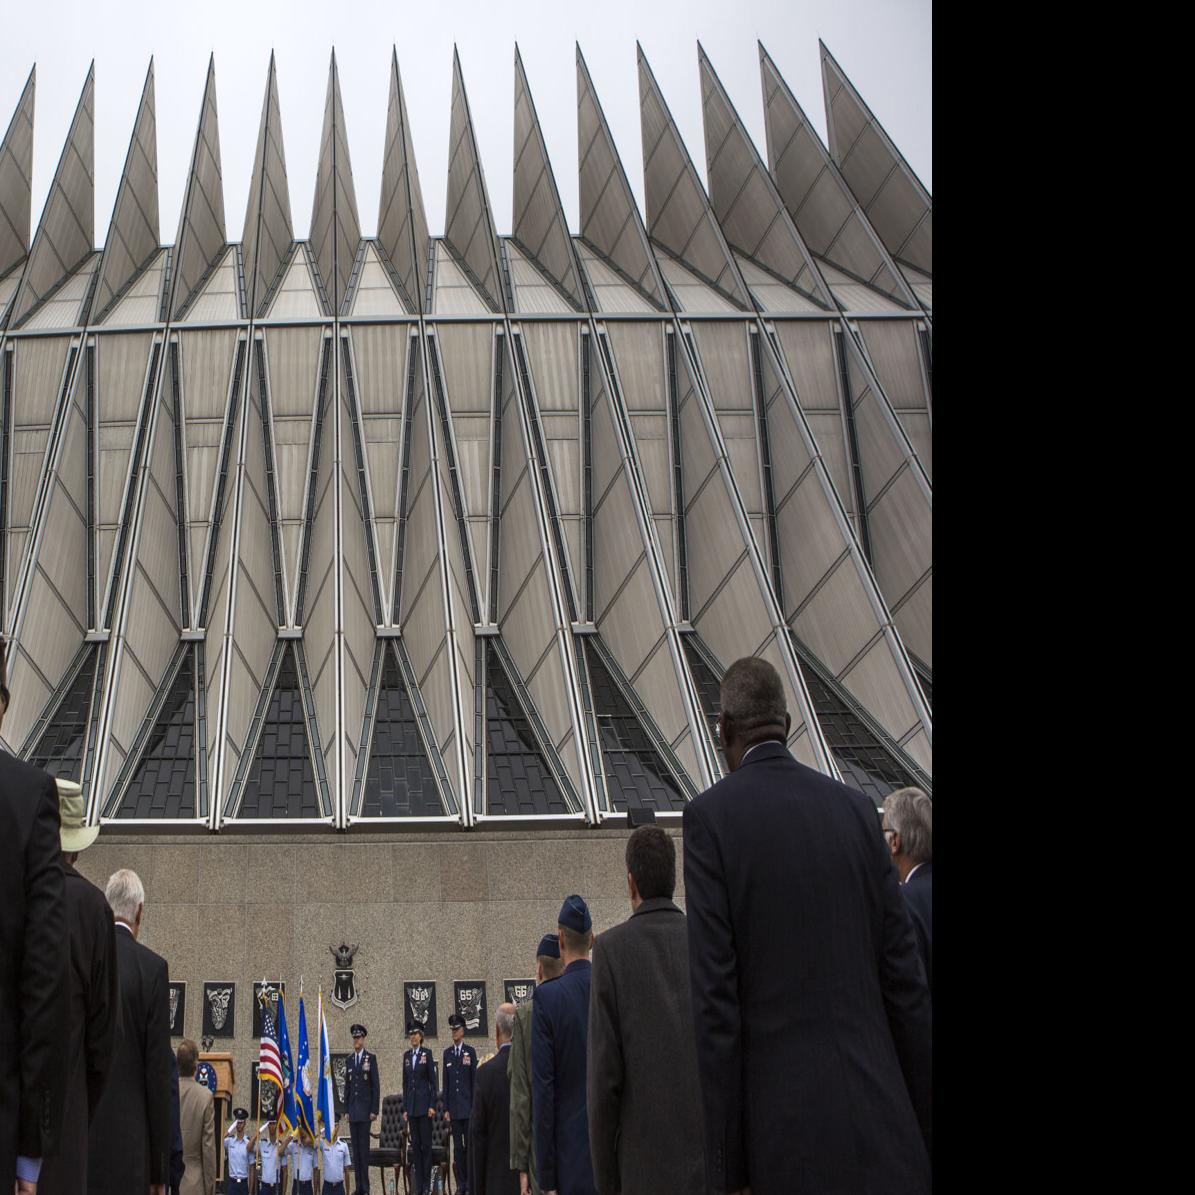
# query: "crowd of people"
[[774, 1036]]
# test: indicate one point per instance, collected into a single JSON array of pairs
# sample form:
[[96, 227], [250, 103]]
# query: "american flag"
[[269, 1059]]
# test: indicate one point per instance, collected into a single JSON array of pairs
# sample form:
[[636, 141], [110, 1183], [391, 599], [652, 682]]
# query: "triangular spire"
[[201, 235], [468, 225], [268, 231], [539, 224], [133, 233], [402, 224], [898, 206], [744, 198], [16, 173], [610, 220], [679, 216], [335, 226], [829, 220], [66, 235]]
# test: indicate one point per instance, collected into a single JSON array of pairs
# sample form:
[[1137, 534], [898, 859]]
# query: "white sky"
[[885, 47]]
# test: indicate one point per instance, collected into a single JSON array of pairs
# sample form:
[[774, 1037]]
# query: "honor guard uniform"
[[335, 1157], [270, 1153], [239, 1149], [300, 1157], [362, 1099], [460, 1065], [419, 1104]]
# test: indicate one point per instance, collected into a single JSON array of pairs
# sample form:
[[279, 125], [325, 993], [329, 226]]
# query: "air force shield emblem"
[[344, 985]]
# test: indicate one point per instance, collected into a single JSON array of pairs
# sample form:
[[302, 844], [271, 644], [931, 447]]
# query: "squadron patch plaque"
[[518, 991], [178, 1008], [469, 997], [419, 995], [344, 983], [219, 1008]]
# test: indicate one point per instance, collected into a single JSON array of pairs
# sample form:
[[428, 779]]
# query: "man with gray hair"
[[490, 1172], [909, 829], [129, 1145], [810, 1008]]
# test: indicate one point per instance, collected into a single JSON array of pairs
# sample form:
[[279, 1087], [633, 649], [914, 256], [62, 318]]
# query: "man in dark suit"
[[489, 1126], [34, 949], [131, 1135], [559, 1031], [909, 829], [362, 1099], [810, 1006], [645, 1119], [93, 1019], [419, 1104], [460, 1066]]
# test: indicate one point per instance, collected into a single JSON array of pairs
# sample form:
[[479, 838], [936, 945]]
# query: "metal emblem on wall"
[[339, 1080], [469, 997], [273, 989], [178, 1008], [267, 1093], [518, 991], [205, 1073], [344, 985], [219, 1009], [420, 997]]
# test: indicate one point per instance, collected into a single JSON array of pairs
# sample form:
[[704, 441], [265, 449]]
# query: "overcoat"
[[130, 1140], [810, 1004], [522, 1153], [197, 1116], [34, 951], [645, 1130], [918, 891], [92, 1028], [489, 1130]]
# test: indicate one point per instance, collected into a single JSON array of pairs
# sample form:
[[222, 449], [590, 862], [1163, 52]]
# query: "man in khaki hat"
[[93, 1017]]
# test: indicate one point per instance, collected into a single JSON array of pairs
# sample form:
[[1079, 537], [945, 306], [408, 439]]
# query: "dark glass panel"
[[59, 751]]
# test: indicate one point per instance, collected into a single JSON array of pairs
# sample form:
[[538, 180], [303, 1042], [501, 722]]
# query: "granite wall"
[[440, 906]]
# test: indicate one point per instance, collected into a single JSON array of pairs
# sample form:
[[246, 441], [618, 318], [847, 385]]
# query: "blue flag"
[[288, 1116], [303, 1084], [325, 1104]]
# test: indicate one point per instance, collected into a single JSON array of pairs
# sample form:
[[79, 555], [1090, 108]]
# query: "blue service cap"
[[574, 915], [549, 944]]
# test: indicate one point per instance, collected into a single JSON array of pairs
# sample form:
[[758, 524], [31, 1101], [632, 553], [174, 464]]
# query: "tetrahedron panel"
[[744, 198], [133, 233], [518, 779], [400, 781], [66, 235], [898, 206], [59, 749], [335, 226], [163, 785], [402, 224], [281, 781], [201, 235], [822, 207], [268, 230], [679, 216], [894, 349], [468, 224], [610, 221], [539, 223], [16, 174]]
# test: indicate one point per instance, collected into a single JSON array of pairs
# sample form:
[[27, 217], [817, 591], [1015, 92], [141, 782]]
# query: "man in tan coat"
[[197, 1116]]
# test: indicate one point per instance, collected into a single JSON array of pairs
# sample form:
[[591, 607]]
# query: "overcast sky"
[[885, 47]]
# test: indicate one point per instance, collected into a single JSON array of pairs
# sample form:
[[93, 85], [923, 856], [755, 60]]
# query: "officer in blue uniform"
[[419, 1104], [239, 1149], [300, 1157], [559, 1039], [460, 1065], [362, 1098], [335, 1158], [271, 1154]]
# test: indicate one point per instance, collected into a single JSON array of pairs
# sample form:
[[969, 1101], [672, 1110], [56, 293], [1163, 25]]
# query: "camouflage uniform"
[[522, 1155]]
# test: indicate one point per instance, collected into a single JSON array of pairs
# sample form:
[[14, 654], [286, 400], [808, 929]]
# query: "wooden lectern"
[[226, 1083]]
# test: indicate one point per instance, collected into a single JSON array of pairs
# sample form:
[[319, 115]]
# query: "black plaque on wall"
[[339, 1065], [219, 1008], [276, 987], [268, 1094], [419, 996], [518, 991], [178, 1008], [469, 999]]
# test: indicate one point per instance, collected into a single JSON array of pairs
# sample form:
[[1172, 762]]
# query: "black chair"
[[390, 1151]]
